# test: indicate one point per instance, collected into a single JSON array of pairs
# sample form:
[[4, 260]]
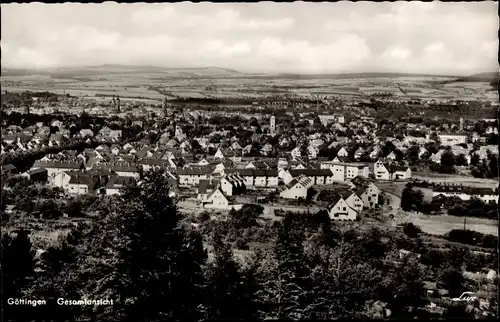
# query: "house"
[[232, 184], [359, 153], [375, 153], [192, 176], [466, 193], [9, 169], [342, 152], [115, 134], [483, 151], [335, 118], [115, 183], [38, 175], [236, 146], [354, 201], [436, 157], [218, 200], [449, 139], [312, 152], [297, 188], [296, 153], [148, 164], [343, 170], [339, 209], [226, 154], [367, 191], [75, 182], [86, 133], [391, 156], [386, 171], [317, 176], [205, 188], [123, 170], [54, 168], [257, 177], [266, 149]]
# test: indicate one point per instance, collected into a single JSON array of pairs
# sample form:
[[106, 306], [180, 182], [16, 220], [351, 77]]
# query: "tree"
[[474, 160], [293, 284], [141, 257], [245, 217], [228, 297], [453, 280], [406, 200], [17, 268], [493, 165], [460, 160], [447, 162]]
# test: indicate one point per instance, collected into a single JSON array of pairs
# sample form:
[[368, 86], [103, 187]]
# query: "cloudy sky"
[[445, 38]]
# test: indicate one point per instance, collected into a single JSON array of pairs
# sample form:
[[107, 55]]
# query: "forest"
[[158, 264]]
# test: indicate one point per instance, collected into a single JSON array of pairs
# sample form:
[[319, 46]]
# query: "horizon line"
[[3, 67]]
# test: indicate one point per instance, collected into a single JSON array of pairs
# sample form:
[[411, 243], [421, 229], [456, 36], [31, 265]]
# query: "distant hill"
[[359, 75], [111, 69], [482, 77]]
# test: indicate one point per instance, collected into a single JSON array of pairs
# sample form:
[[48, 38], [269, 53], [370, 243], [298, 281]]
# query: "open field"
[[128, 81], [455, 179], [442, 224]]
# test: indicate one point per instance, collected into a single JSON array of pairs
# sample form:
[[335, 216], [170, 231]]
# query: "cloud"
[[422, 37], [397, 53]]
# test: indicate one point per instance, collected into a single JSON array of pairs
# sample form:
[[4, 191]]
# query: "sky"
[[413, 37]]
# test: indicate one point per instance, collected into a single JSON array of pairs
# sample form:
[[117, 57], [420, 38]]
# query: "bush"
[[203, 217], [452, 280], [474, 238], [411, 230]]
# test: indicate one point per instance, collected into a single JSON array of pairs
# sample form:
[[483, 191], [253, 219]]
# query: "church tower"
[[272, 126], [118, 107]]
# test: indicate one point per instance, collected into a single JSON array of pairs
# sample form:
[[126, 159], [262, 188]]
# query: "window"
[[343, 209]]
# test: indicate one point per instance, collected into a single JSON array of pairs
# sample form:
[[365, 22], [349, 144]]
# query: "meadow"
[[152, 83]]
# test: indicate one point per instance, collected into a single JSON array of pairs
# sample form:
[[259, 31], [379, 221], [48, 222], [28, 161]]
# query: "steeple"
[[118, 108]]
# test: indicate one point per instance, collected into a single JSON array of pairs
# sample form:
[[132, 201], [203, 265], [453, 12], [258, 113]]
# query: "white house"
[[54, 168], [296, 153], [339, 209], [386, 171], [348, 170], [354, 201], [297, 188], [342, 152], [218, 200], [115, 183], [448, 139], [232, 184]]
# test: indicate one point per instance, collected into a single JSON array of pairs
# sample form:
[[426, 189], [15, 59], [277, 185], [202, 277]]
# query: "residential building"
[[387, 171], [297, 188], [466, 193], [339, 209], [449, 139]]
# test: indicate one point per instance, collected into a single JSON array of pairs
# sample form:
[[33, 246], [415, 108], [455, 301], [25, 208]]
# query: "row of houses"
[[466, 193]]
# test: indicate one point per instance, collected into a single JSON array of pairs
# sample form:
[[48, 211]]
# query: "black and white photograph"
[[249, 161]]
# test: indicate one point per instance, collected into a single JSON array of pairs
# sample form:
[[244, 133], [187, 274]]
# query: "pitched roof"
[[80, 178], [335, 199], [115, 181], [311, 172], [195, 170], [59, 165]]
